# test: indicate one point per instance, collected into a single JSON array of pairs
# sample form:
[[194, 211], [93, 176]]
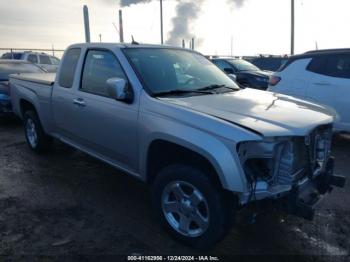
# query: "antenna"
[[133, 42]]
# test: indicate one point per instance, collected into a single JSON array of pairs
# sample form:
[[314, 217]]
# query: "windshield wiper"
[[181, 91], [216, 86]]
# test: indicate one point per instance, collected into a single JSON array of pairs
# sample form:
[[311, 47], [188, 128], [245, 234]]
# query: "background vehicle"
[[8, 67], [247, 74], [171, 118], [268, 63], [320, 76], [49, 62]]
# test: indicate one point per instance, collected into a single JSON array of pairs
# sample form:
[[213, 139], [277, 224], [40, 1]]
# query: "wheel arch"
[[163, 152]]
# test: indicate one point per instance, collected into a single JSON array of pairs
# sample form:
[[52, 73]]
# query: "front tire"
[[190, 207], [35, 135]]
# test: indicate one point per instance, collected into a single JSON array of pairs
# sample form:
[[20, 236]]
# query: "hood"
[[267, 113]]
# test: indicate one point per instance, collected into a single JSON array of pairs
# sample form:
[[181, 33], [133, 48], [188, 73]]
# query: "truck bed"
[[40, 78]]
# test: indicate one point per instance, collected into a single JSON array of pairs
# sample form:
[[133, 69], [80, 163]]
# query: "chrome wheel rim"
[[31, 133], [185, 209]]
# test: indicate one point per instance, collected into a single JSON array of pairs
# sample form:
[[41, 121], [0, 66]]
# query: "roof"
[[226, 58], [126, 45], [329, 51], [315, 53]]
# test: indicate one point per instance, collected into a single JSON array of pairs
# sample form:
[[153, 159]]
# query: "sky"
[[252, 26]]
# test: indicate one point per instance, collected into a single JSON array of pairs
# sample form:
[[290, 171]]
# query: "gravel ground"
[[66, 203]]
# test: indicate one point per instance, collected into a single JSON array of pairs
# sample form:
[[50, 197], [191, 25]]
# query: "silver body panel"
[[121, 134]]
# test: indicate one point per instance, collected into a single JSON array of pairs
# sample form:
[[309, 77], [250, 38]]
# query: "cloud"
[[186, 13]]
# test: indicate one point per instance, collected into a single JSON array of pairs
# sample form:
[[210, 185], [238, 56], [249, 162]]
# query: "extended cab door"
[[330, 85], [64, 93], [102, 125]]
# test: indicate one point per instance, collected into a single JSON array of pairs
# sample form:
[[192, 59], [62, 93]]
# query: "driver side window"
[[99, 66]]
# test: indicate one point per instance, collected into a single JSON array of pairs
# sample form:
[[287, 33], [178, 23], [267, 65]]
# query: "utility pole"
[[231, 46], [121, 30], [292, 27], [100, 36], [161, 22], [86, 24]]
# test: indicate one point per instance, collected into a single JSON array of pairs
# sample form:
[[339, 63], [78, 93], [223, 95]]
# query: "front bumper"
[[301, 198]]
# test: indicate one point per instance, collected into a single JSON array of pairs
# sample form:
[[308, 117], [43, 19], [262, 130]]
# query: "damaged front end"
[[294, 170]]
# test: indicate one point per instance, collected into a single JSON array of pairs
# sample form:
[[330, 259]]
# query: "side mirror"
[[119, 90], [233, 77], [229, 70]]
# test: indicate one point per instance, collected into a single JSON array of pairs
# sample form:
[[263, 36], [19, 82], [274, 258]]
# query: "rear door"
[[330, 85], [63, 95]]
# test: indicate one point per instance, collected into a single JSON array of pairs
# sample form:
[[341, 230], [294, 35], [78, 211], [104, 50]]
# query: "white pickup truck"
[[171, 118]]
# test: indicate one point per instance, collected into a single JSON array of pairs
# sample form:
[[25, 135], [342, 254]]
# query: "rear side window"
[[221, 64], [337, 65], [16, 56], [7, 56], [55, 60], [69, 65], [318, 65], [33, 59], [99, 66], [45, 60]]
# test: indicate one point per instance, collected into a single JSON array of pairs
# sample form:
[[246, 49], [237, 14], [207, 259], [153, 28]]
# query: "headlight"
[[275, 161]]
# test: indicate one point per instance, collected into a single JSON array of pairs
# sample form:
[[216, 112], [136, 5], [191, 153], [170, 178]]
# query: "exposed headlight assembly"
[[275, 161]]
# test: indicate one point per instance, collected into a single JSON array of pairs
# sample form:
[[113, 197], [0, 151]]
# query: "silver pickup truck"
[[171, 118]]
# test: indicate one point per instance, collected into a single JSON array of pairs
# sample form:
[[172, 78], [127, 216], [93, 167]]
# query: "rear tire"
[[190, 207], [35, 135]]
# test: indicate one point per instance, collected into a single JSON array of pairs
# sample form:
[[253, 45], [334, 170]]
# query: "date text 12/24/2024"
[[172, 258]]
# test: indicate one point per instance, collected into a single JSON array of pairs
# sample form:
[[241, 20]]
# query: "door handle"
[[322, 84], [79, 102]]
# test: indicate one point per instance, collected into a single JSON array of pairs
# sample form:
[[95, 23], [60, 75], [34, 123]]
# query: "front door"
[[103, 125]]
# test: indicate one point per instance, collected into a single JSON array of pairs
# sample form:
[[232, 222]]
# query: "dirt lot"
[[66, 203]]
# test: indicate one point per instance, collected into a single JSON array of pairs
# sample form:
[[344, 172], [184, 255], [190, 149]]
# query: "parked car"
[[319, 76], [247, 74], [268, 63], [49, 62], [171, 118], [8, 67]]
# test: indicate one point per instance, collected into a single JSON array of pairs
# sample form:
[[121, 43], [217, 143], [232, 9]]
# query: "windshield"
[[166, 70], [242, 65]]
